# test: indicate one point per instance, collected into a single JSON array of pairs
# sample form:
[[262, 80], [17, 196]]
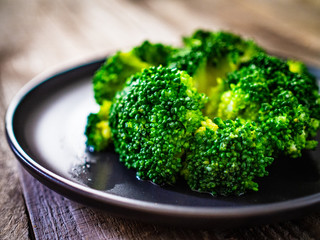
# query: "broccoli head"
[[154, 53], [208, 57], [265, 89], [152, 121], [226, 157], [281, 75], [97, 129], [288, 124], [111, 76]]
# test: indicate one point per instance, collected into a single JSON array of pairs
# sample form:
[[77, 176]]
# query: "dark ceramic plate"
[[45, 124]]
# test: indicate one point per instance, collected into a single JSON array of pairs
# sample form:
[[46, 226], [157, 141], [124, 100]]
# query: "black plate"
[[45, 124]]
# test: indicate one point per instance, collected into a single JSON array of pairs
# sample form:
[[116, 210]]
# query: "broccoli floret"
[[97, 129], [257, 81], [288, 124], [154, 53], [153, 119], [308, 87], [208, 57], [243, 100], [111, 76], [280, 76], [282, 100], [226, 157]]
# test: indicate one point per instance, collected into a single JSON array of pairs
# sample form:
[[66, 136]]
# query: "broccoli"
[[154, 53], [97, 130], [217, 111], [152, 121], [226, 157], [282, 101], [111, 76], [208, 57], [288, 124]]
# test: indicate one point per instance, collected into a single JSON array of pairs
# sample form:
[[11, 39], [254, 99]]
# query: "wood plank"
[[14, 221], [49, 212], [56, 217]]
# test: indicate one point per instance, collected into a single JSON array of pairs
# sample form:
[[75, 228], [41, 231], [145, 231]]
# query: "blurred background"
[[36, 35]]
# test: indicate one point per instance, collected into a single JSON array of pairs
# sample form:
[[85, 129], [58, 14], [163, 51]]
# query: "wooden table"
[[38, 34]]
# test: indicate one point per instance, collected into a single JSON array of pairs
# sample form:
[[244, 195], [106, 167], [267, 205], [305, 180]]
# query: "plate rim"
[[43, 174]]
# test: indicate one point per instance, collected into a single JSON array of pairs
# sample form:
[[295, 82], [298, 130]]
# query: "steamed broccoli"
[[97, 130], [283, 102], [216, 111], [208, 57], [226, 157], [152, 121], [288, 124], [111, 76]]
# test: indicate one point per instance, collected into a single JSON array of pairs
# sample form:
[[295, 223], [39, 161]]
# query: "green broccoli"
[[226, 157], [97, 130], [111, 76], [284, 102], [152, 121], [154, 53], [208, 57], [288, 124], [216, 112], [282, 75]]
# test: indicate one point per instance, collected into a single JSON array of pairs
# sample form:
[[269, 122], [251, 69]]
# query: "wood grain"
[[38, 34], [14, 220], [54, 216]]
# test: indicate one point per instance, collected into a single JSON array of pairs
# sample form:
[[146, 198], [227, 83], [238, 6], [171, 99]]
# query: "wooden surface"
[[38, 34]]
